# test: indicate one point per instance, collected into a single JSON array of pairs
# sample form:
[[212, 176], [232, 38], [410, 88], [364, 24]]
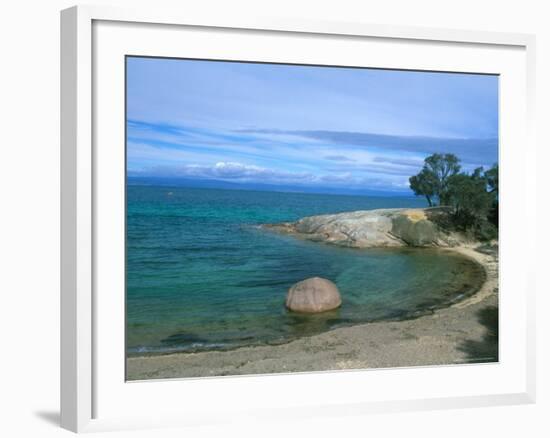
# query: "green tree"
[[472, 203], [433, 180], [492, 184], [424, 184], [492, 179]]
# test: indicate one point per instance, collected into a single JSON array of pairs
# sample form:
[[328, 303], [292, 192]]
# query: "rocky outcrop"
[[313, 295], [419, 227]]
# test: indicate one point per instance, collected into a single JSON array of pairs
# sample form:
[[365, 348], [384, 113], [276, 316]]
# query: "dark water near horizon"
[[202, 275]]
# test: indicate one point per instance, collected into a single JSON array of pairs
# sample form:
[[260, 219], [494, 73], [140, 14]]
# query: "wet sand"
[[466, 332]]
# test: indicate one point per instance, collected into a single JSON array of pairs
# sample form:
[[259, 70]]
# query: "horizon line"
[[258, 187]]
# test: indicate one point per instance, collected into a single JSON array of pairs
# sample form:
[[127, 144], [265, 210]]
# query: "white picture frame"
[[85, 374]]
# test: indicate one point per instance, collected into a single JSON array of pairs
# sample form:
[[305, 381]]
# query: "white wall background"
[[29, 216]]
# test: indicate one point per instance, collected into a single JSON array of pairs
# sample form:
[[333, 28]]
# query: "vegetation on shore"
[[471, 197]]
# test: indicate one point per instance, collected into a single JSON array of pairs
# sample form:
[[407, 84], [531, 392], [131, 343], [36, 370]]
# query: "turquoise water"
[[202, 275]]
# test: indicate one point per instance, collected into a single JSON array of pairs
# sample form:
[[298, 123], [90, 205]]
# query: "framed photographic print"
[[257, 207]]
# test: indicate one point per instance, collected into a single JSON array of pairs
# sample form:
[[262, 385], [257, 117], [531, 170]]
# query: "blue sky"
[[320, 127]]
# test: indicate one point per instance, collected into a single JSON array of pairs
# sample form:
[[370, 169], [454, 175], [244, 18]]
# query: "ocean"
[[202, 275]]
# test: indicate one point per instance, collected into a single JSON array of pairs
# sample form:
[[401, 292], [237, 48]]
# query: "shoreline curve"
[[326, 351]]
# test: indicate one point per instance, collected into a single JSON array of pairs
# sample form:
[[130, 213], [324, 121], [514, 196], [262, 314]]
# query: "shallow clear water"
[[202, 275]]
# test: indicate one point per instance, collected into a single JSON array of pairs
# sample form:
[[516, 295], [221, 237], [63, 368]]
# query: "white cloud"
[[232, 171]]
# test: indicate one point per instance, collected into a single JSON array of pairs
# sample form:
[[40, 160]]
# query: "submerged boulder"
[[313, 295]]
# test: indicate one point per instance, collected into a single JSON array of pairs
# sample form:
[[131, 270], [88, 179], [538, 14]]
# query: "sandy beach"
[[465, 332]]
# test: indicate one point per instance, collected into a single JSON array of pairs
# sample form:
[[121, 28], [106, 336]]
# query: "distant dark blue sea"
[[202, 274]]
